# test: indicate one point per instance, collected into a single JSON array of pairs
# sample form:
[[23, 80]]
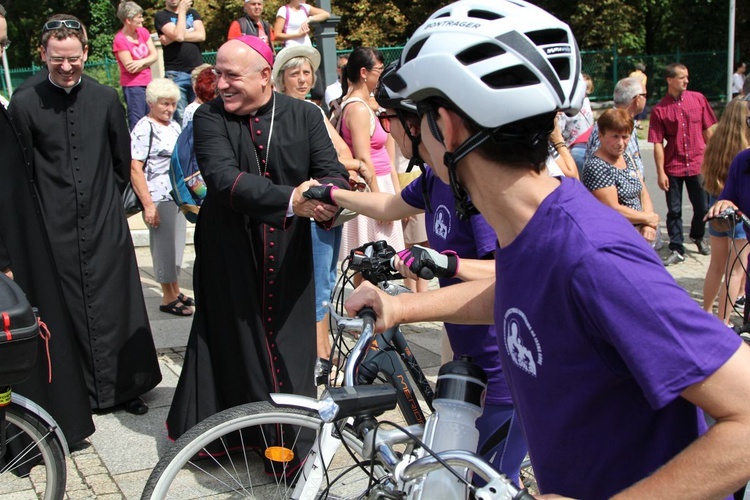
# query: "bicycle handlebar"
[[735, 215], [367, 314], [461, 458]]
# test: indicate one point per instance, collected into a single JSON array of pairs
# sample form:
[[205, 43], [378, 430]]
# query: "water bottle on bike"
[[459, 400]]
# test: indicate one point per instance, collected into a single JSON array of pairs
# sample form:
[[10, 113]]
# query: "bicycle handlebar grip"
[[524, 495], [368, 315]]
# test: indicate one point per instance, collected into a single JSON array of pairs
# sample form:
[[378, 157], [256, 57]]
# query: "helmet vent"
[[548, 37], [414, 50], [484, 14], [517, 76], [480, 53], [561, 66]]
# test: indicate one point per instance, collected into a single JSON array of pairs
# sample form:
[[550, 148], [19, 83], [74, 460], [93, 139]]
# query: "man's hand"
[[663, 181], [427, 263], [386, 308], [8, 272]]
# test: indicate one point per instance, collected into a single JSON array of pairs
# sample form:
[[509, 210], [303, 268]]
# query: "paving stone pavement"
[[115, 462]]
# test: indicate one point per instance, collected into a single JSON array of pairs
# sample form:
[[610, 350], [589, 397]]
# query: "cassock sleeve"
[[248, 194], [119, 143]]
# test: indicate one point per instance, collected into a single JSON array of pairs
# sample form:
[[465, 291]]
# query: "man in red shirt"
[[683, 119], [251, 23]]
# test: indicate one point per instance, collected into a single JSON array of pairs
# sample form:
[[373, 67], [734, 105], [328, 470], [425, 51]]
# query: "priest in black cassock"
[[254, 327], [77, 138], [26, 257]]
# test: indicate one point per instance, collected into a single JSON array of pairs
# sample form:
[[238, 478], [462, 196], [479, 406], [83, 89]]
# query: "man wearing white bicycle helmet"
[[605, 373]]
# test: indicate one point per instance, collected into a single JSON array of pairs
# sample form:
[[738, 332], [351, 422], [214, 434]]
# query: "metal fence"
[[707, 71]]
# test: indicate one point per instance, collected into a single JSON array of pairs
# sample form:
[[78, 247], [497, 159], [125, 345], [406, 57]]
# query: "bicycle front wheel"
[[228, 455], [33, 460]]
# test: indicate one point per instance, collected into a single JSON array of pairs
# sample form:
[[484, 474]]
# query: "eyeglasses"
[[377, 69], [57, 24], [385, 121], [60, 60], [5, 43], [645, 96]]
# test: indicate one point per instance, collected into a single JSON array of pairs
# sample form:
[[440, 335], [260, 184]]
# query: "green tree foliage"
[[635, 26], [102, 27]]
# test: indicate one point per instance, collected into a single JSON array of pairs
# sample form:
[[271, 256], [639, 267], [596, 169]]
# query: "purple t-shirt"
[[737, 188], [474, 239], [598, 342]]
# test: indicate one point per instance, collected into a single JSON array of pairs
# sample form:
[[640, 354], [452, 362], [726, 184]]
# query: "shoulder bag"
[[130, 201]]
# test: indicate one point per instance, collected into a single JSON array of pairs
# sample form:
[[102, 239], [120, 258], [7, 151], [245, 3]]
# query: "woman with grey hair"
[[151, 143], [135, 53]]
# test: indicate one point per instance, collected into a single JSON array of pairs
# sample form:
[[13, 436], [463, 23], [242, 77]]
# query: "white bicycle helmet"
[[498, 61]]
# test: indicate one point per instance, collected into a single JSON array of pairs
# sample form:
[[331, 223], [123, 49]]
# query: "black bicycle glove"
[[427, 263], [321, 193]]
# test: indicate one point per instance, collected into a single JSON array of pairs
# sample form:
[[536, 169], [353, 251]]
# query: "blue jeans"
[[325, 246], [578, 152], [187, 95], [135, 98], [699, 200]]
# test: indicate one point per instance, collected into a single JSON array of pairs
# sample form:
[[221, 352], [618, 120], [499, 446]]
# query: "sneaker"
[[674, 258], [740, 301], [702, 245]]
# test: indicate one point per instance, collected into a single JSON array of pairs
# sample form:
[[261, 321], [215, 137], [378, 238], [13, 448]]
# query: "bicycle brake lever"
[[343, 321]]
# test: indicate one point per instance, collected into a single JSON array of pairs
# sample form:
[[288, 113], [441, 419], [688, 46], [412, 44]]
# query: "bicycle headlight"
[[363, 400]]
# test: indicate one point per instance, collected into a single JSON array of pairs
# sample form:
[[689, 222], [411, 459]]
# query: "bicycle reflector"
[[363, 400]]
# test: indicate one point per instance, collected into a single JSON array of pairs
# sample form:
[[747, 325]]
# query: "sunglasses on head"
[[57, 24]]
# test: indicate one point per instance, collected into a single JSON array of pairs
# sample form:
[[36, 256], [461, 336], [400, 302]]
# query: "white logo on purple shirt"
[[442, 222], [521, 342]]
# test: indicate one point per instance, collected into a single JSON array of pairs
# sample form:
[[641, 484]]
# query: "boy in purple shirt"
[[500, 437], [607, 359]]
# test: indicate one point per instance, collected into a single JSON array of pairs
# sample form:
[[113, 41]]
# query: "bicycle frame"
[[320, 455], [383, 358]]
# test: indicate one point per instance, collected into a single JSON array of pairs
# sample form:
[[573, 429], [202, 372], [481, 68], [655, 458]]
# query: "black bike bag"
[[19, 334]]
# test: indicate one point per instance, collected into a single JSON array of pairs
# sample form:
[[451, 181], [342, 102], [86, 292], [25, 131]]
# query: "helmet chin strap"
[[415, 159], [464, 207]]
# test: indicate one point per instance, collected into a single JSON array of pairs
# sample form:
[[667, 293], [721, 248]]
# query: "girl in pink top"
[[135, 53], [370, 144]]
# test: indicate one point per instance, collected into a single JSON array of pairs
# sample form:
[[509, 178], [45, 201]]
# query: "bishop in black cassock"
[[254, 327]]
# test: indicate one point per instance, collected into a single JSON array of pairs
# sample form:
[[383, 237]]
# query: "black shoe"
[[702, 245], [740, 301], [675, 257], [136, 407]]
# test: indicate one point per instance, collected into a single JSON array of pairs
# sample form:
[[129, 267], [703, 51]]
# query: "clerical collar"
[[67, 90], [264, 109]]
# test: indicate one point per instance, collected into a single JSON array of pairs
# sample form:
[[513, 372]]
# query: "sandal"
[[177, 308], [188, 301]]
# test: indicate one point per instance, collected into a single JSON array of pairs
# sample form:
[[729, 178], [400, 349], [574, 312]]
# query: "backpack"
[[188, 187], [337, 115]]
